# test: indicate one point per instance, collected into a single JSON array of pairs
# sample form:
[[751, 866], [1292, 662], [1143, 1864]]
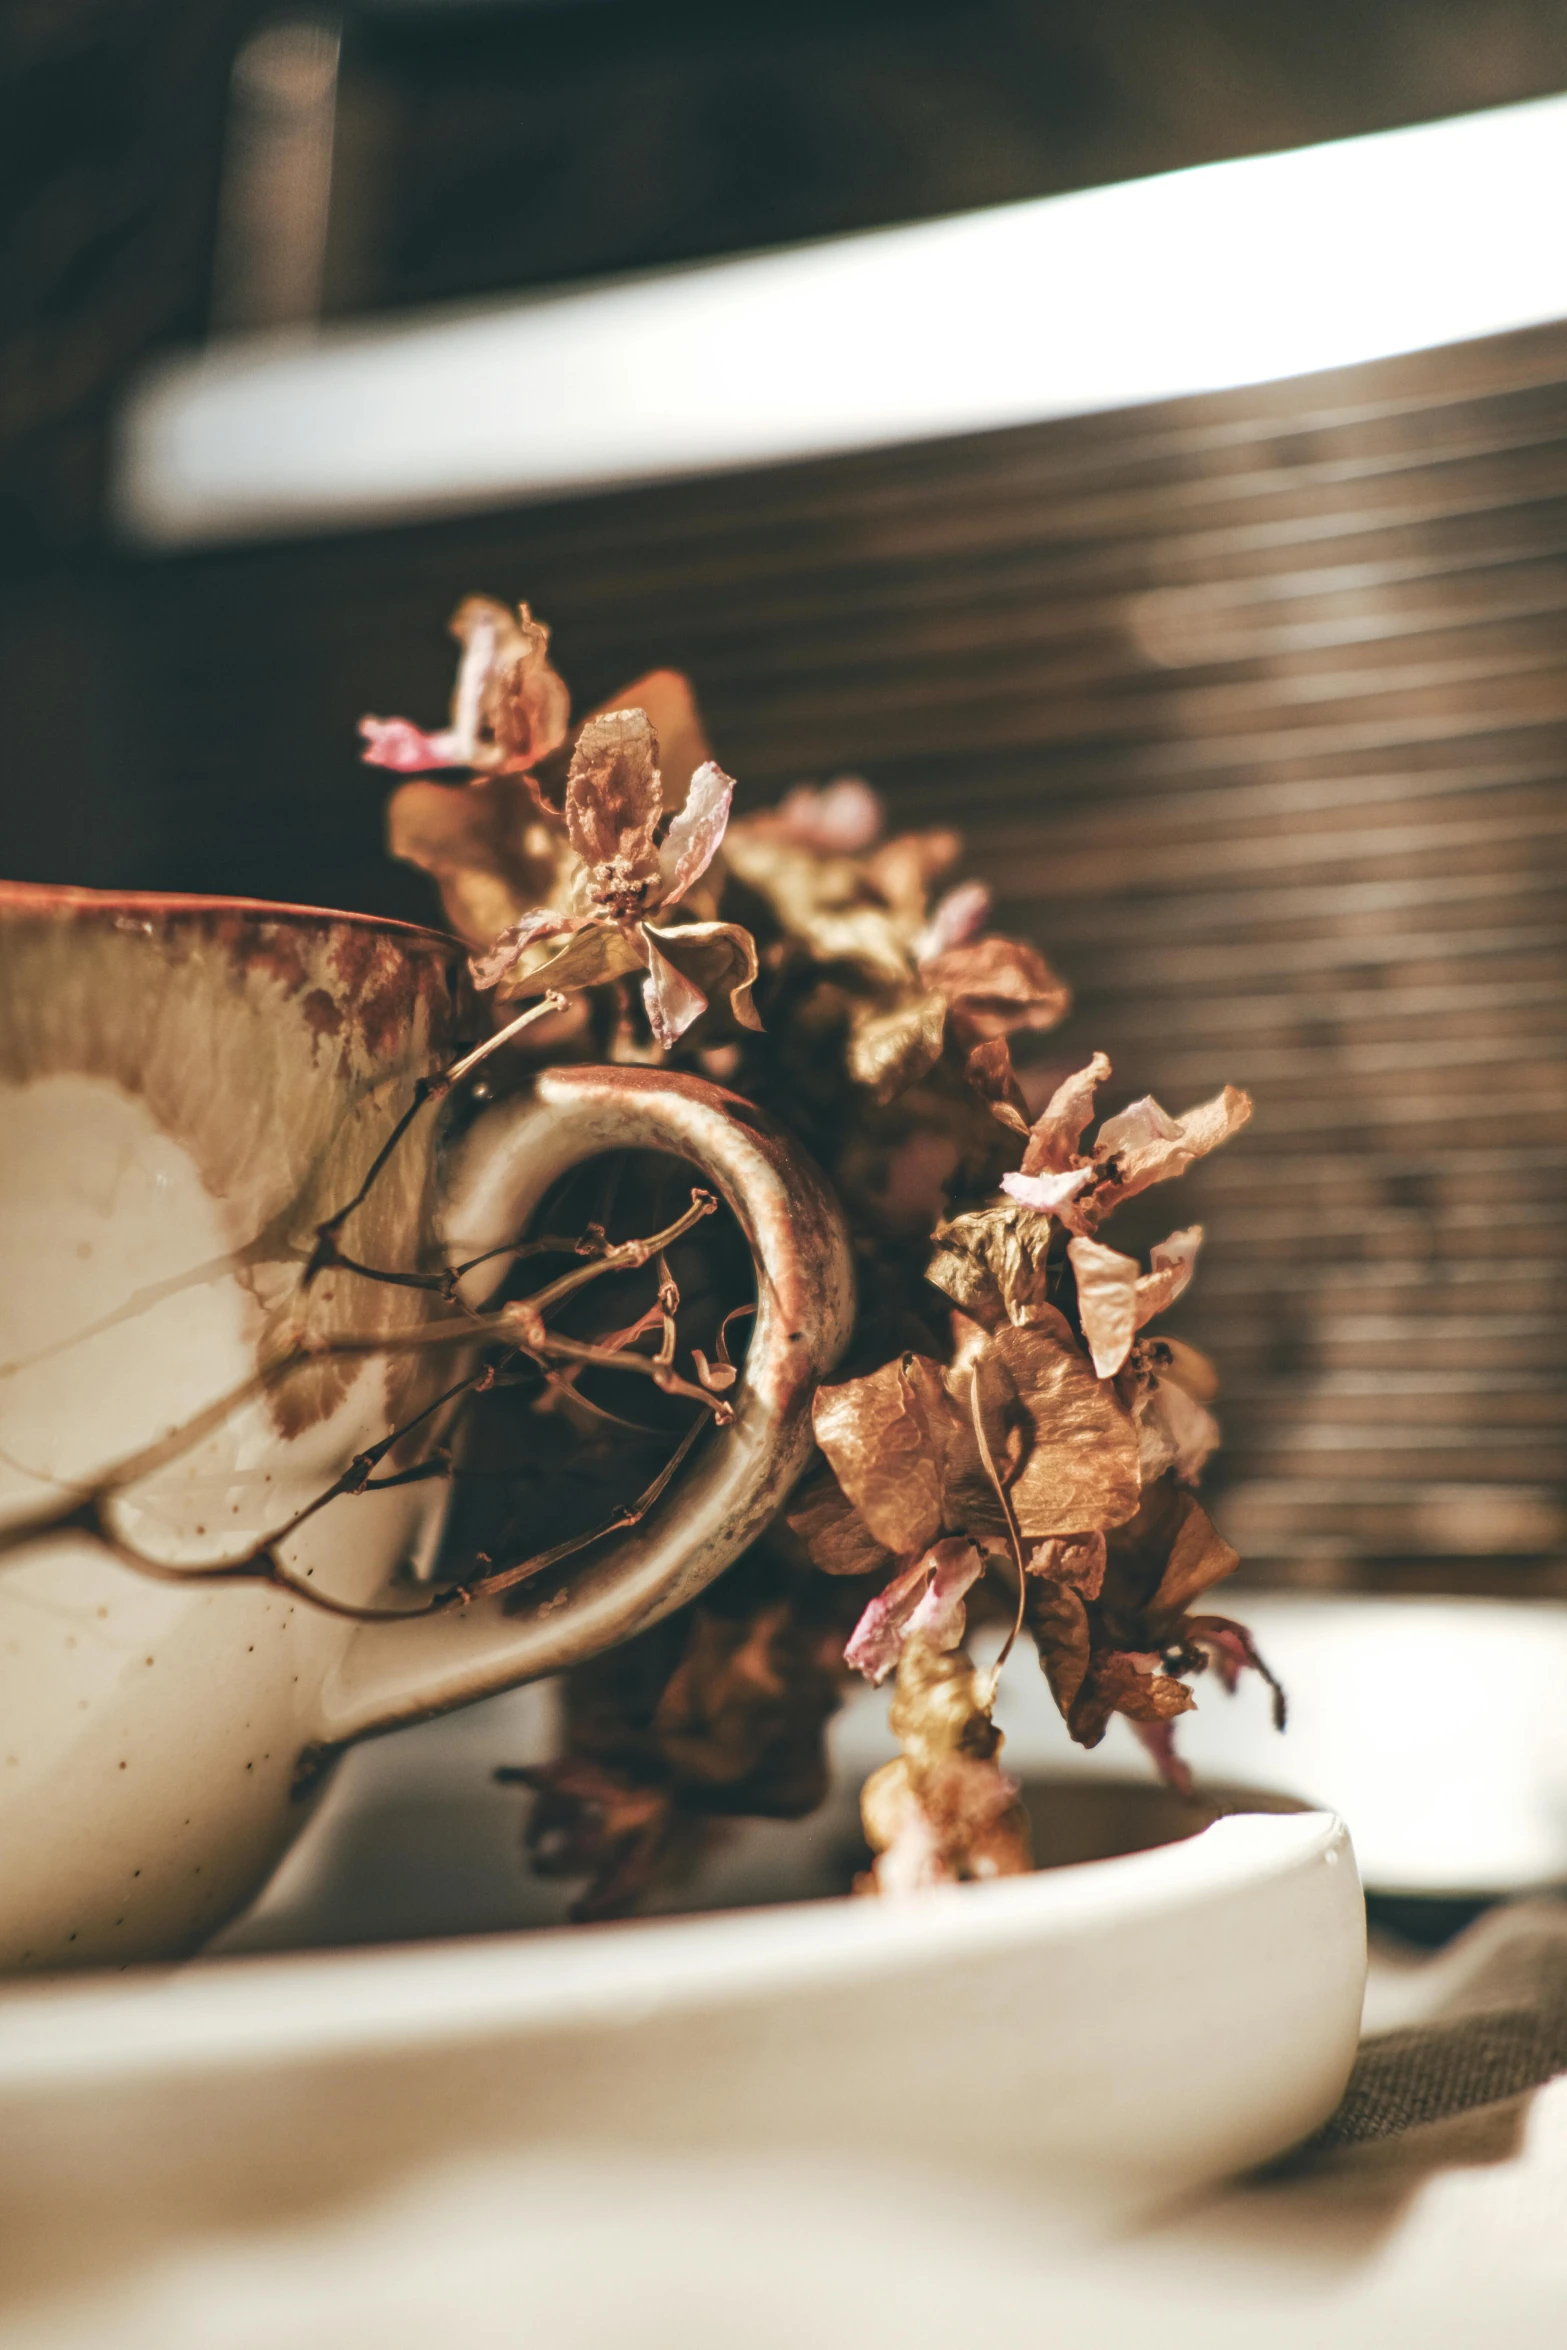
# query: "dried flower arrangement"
[[1011, 1440]]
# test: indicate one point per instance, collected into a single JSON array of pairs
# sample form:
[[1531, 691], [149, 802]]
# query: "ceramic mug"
[[188, 1088]]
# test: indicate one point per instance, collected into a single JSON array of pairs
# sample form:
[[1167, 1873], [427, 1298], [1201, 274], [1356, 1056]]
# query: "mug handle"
[[401, 1671]]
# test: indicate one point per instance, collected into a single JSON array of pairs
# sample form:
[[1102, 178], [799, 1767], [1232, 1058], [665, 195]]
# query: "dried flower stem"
[[1014, 1533]]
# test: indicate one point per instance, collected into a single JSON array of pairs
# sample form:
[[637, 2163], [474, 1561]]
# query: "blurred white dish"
[[1108, 2037], [1434, 1727]]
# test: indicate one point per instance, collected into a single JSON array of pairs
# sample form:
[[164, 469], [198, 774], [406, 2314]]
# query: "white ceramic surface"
[[1105, 2037]]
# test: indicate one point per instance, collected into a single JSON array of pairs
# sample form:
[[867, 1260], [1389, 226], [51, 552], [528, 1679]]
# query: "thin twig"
[[623, 1256], [553, 1001], [1014, 1531], [506, 1578]]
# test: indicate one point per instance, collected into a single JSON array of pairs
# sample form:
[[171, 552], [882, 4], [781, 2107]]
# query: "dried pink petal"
[[614, 799], [1135, 1128], [954, 920], [1173, 1263], [1048, 1194], [1145, 1145], [841, 820], [510, 703], [403, 747], [1057, 1132], [693, 838], [940, 1617], [1107, 1285], [1231, 1649], [874, 1645], [673, 1001]]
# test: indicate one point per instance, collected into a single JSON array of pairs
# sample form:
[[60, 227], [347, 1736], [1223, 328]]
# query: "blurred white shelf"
[[1198, 280]]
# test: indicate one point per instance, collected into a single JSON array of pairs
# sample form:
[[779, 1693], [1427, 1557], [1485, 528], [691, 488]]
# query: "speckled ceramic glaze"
[[187, 1088]]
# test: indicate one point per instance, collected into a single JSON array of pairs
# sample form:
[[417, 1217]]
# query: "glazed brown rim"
[[72, 897]]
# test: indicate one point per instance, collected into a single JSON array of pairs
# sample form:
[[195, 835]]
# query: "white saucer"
[[1107, 2037]]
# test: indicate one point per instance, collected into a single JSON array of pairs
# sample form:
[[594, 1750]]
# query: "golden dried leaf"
[[888, 1437], [835, 1535], [717, 958], [992, 1263], [1198, 1558], [486, 846], [989, 1070], [1078, 1468], [945, 1810], [888, 1051]]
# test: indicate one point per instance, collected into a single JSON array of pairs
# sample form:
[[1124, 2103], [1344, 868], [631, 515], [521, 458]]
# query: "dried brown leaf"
[[993, 1263], [994, 985], [989, 1070], [486, 846], [1078, 1560], [835, 1535], [888, 1437], [888, 1051], [1121, 1681], [1078, 1468], [1198, 1557]]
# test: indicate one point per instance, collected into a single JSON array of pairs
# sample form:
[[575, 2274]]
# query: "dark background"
[[1253, 707]]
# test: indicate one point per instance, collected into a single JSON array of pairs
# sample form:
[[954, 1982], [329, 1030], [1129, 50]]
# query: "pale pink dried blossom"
[[925, 1599], [840, 819], [1115, 1297], [510, 708], [1140, 1145], [614, 799], [954, 920]]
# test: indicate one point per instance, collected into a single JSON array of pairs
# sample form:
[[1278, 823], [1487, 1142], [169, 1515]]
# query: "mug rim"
[[66, 897]]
